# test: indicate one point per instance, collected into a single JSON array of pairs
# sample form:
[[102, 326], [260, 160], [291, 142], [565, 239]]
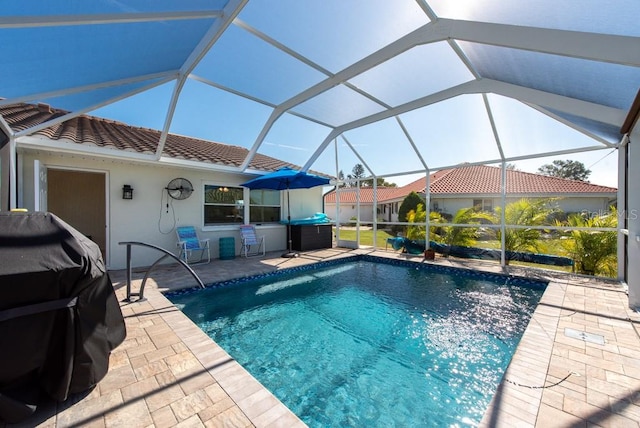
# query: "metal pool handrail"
[[146, 275]]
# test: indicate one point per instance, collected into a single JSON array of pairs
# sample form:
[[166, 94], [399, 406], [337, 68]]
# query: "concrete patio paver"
[[169, 373]]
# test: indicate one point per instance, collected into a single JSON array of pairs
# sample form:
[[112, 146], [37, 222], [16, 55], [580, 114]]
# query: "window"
[[223, 205], [264, 206], [483, 204]]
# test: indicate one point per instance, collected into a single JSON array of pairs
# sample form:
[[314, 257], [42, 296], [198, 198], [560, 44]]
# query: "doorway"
[[78, 198]]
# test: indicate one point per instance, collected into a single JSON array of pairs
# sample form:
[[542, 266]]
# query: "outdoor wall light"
[[127, 192]]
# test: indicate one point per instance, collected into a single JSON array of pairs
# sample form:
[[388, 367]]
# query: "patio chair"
[[248, 239], [190, 243]]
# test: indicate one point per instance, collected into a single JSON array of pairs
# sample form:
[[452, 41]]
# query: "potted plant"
[[429, 254]]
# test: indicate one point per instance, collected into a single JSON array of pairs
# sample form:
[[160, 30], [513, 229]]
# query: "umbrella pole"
[[290, 254]]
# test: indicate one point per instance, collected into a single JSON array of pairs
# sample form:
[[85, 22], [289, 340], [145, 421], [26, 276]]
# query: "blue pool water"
[[371, 344]]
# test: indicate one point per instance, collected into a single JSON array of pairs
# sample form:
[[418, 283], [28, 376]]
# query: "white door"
[[40, 186]]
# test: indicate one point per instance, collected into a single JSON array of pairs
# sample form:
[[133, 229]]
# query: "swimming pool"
[[369, 343]]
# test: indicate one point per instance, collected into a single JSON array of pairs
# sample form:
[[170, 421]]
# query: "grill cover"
[[59, 316]]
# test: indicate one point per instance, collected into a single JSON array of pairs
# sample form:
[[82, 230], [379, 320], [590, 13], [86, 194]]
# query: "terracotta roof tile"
[[482, 179], [115, 135], [349, 195]]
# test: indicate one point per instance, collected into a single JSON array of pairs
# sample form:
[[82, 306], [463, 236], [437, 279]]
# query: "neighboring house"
[[77, 169], [468, 186], [349, 203]]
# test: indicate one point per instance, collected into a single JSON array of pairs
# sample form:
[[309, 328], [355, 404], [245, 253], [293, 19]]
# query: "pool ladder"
[[166, 254]]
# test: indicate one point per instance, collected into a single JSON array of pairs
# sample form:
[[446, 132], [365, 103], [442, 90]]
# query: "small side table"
[[227, 248]]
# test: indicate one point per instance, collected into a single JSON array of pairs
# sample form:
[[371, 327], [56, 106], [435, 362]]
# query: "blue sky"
[[320, 40], [331, 35], [452, 132]]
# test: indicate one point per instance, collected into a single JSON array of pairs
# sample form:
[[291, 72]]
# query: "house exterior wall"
[[633, 219], [348, 211], [591, 204], [145, 217], [451, 205]]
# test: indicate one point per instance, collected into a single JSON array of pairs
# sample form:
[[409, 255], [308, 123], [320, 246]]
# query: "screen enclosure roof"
[[397, 86]]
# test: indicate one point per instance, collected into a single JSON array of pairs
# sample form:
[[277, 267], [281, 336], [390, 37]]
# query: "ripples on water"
[[367, 344]]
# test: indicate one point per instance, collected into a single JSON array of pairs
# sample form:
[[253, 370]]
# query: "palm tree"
[[594, 252], [456, 235], [419, 216], [449, 235], [525, 212]]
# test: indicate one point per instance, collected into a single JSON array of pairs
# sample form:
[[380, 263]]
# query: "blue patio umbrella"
[[284, 179]]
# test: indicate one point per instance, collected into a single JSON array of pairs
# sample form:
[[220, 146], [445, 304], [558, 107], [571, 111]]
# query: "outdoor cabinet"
[[311, 237]]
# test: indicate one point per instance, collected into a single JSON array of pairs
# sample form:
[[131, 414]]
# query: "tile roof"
[[350, 195], [479, 180], [92, 131], [482, 179]]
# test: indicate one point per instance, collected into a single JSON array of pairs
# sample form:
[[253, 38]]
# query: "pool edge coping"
[[532, 357], [515, 279], [258, 404], [518, 361]]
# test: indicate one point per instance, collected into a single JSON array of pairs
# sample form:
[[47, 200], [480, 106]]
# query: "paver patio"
[[576, 366]]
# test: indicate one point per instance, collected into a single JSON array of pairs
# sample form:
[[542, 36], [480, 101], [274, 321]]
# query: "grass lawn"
[[366, 236], [547, 246]]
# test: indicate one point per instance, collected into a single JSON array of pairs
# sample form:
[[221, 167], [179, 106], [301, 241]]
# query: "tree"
[[570, 169], [419, 216], [381, 182], [457, 235], [356, 173], [525, 212], [594, 252], [359, 172], [410, 203]]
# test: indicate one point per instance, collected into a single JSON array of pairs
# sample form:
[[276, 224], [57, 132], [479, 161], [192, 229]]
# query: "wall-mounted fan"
[[179, 188]]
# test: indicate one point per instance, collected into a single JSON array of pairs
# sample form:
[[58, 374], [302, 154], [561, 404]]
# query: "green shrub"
[[594, 252]]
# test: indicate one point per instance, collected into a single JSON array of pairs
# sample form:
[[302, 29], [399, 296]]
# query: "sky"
[[334, 34], [383, 146], [323, 38]]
